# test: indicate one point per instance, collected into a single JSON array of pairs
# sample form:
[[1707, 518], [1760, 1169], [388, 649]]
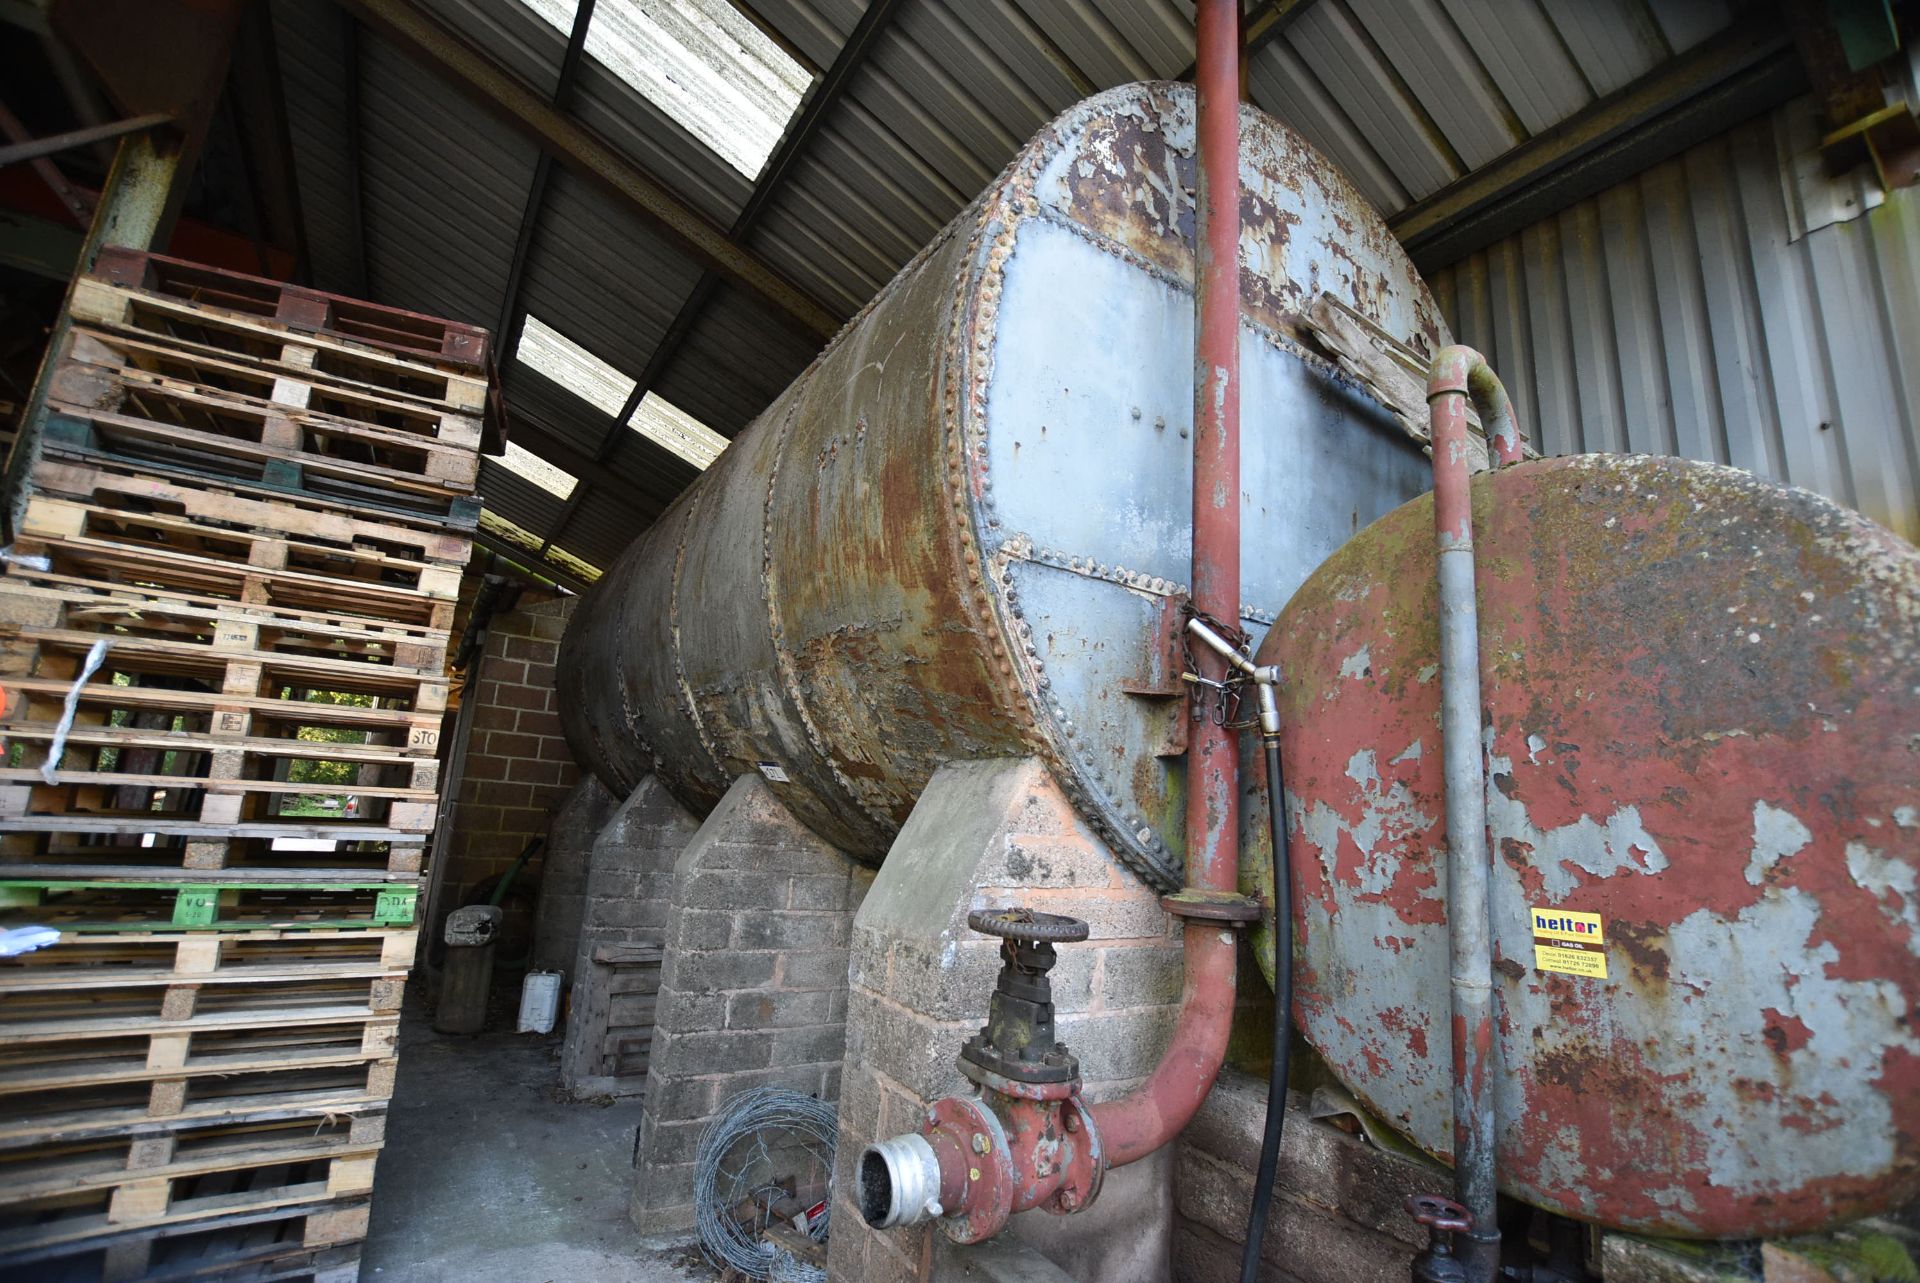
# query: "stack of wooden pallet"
[[224, 622]]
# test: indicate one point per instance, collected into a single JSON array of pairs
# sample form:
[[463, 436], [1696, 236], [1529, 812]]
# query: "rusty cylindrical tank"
[[1701, 697], [964, 531]]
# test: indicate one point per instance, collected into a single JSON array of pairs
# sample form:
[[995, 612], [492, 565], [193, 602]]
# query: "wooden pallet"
[[87, 849], [403, 542], [71, 1194], [460, 516], [109, 548], [140, 359], [104, 1088], [278, 1032], [267, 1245], [52, 895], [85, 961], [47, 1117], [219, 333], [200, 713], [253, 443], [449, 344]]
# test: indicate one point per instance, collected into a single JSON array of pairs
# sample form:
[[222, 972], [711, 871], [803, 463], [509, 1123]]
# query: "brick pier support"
[[753, 987], [616, 964]]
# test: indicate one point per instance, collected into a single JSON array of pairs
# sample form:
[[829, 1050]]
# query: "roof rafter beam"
[[825, 94], [437, 49], [504, 334]]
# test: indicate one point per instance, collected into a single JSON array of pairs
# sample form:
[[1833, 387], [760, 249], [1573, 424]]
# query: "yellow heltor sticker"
[[1570, 943]]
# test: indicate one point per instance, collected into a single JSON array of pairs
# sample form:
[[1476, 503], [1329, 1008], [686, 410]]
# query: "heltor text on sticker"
[[1570, 943]]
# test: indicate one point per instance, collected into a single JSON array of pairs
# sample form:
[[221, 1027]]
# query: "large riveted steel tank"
[[958, 533]]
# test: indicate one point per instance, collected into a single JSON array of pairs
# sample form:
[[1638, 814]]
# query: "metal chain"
[[1219, 701]]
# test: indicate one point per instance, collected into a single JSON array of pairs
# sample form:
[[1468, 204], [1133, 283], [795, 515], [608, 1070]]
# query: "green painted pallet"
[[198, 906]]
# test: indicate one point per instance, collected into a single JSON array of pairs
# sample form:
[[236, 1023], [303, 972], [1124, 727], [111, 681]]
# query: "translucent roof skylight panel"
[[637, 128], [545, 411], [549, 352], [670, 427], [556, 481], [709, 68]]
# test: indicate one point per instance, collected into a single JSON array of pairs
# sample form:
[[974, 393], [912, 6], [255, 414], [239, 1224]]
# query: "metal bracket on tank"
[[1212, 906]]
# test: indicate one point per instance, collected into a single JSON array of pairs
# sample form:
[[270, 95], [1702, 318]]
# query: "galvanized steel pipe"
[[1456, 373]]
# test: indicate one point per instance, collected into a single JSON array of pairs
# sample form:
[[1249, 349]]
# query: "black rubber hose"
[[1282, 1020]]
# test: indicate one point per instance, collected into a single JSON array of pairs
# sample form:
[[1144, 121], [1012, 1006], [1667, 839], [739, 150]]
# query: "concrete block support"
[[564, 872], [753, 986], [990, 834], [624, 917]]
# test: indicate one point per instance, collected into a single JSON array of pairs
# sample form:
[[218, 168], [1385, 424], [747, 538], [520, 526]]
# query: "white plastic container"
[[539, 1002]]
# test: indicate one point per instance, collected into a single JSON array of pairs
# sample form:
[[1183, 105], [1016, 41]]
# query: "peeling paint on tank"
[[1777, 835], [1603, 848], [1891, 882]]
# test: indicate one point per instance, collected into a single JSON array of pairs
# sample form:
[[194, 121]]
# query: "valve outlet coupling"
[[899, 1182]]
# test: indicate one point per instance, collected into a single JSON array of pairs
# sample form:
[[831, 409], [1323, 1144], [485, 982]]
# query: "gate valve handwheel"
[[1443, 1218], [1027, 926], [1017, 1044]]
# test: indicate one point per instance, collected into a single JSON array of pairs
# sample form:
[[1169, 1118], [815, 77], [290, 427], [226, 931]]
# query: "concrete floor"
[[487, 1178]]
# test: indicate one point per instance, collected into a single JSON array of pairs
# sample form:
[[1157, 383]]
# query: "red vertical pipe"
[[1153, 1114], [1213, 810]]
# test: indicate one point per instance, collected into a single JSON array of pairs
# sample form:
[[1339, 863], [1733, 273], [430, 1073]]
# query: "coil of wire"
[[735, 1156]]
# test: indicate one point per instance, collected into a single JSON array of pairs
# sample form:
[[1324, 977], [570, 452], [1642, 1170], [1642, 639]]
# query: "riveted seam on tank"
[[782, 657], [1078, 777], [673, 630]]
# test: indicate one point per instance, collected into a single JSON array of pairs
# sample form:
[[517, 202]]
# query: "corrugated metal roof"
[[1405, 95], [1683, 312], [310, 40]]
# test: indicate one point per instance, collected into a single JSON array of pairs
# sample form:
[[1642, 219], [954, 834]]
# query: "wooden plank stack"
[[235, 575]]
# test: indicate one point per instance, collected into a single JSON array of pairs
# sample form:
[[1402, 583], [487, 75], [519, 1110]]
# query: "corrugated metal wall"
[[1692, 311]]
